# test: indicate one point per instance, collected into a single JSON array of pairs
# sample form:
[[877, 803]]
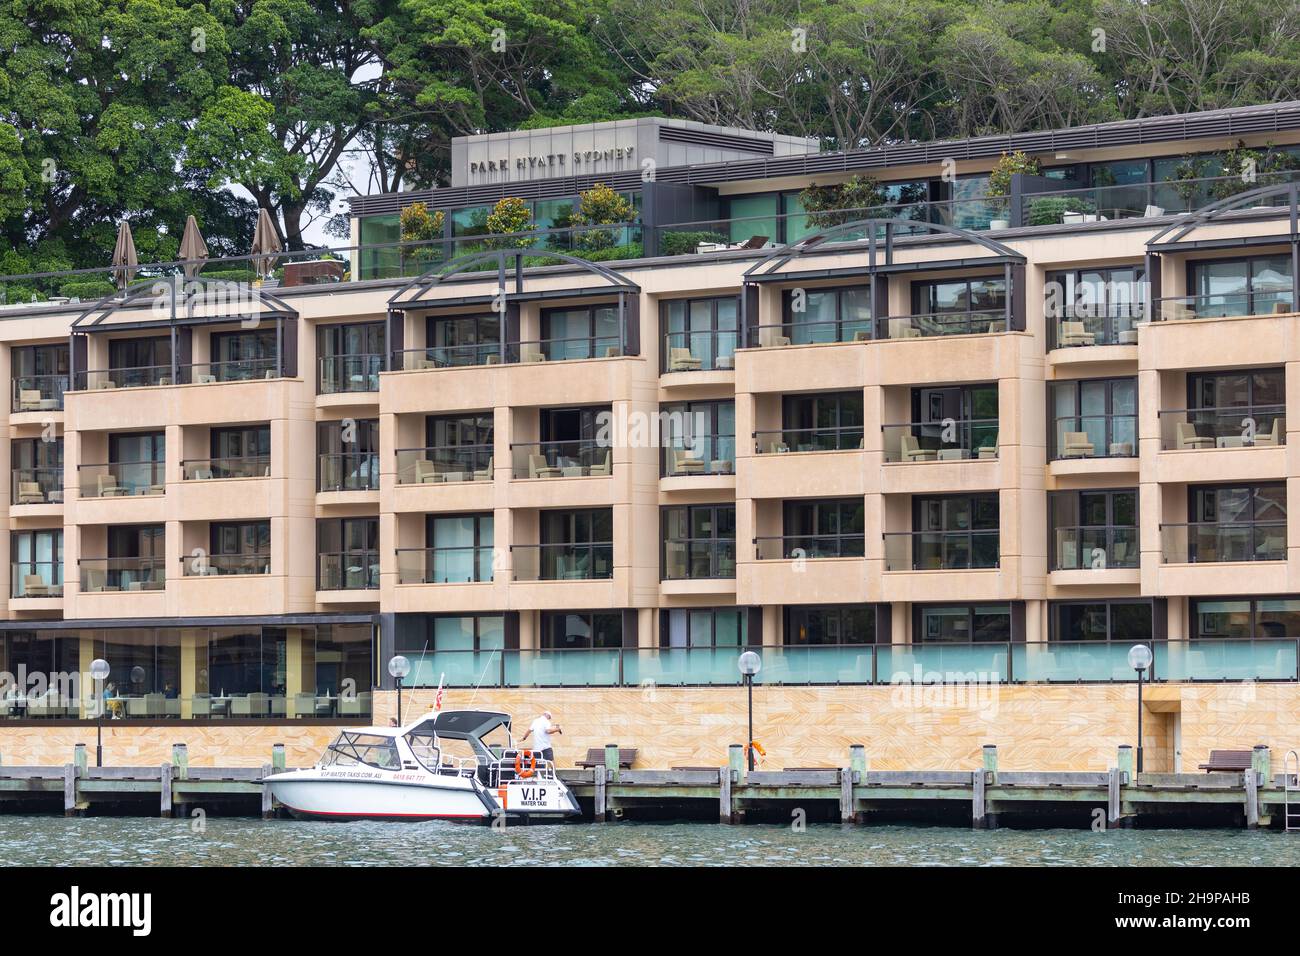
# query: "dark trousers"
[[548, 754]]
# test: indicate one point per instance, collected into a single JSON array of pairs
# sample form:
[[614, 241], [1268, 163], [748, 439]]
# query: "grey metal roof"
[[1237, 121]]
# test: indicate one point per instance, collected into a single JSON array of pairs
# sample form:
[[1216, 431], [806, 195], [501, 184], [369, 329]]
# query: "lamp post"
[[399, 667], [99, 671], [1139, 658], [750, 664]]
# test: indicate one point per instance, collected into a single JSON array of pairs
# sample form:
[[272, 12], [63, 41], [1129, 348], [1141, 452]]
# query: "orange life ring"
[[754, 747], [520, 757]]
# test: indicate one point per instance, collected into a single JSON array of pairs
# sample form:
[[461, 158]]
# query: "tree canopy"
[[149, 110]]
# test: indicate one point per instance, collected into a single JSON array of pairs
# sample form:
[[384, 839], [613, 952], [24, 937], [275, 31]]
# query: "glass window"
[[952, 623], [826, 315], [1101, 620], [753, 216], [380, 263], [830, 624], [461, 546], [703, 627], [581, 629]]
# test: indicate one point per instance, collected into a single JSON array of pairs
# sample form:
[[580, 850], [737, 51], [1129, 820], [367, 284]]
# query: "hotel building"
[[957, 441]]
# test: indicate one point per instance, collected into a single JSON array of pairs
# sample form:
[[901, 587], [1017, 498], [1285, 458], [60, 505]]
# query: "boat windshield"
[[352, 749], [425, 747]]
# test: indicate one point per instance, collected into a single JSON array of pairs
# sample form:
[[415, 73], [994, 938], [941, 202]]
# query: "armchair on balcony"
[[1187, 437], [29, 493], [1274, 436], [903, 329], [1075, 333], [912, 450], [681, 360], [34, 586], [30, 400], [108, 487], [538, 468], [988, 451], [426, 472], [603, 469], [485, 473], [684, 463], [1077, 445]]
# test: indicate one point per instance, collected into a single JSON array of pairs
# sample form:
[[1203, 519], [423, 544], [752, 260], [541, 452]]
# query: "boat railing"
[[544, 769]]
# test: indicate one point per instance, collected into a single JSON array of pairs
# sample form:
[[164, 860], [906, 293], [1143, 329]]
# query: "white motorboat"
[[454, 765]]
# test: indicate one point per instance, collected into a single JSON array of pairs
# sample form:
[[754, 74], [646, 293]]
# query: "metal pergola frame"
[[511, 277], [181, 294], [880, 262]]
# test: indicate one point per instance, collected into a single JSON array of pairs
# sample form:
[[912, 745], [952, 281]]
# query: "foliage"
[[1051, 210], [684, 243], [420, 225], [1006, 167], [861, 197], [600, 206], [510, 215]]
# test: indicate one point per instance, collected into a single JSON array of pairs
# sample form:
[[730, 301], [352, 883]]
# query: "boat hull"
[[334, 799]]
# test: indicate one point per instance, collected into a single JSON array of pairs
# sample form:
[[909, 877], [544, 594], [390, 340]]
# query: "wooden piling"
[[165, 790], [268, 802], [1114, 783], [848, 812], [598, 794], [180, 762], [79, 758], [611, 762], [978, 819], [1261, 763], [724, 794], [1127, 778], [277, 758], [70, 790]]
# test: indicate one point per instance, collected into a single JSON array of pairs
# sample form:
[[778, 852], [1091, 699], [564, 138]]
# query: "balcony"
[[349, 374], [37, 486], [39, 393], [1277, 300], [1239, 426], [448, 356], [217, 469], [784, 334], [122, 574], [122, 479], [794, 440], [347, 571], [212, 565], [1094, 436], [1109, 326], [581, 458], [449, 463], [563, 562], [700, 351], [706, 455], [143, 376], [949, 440], [941, 550], [900, 665], [956, 322], [812, 547], [36, 579], [687, 559], [1206, 542], [1095, 548], [467, 565], [565, 349], [348, 471]]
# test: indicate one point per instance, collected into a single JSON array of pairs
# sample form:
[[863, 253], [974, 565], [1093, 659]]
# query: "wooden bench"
[[1231, 761], [596, 758]]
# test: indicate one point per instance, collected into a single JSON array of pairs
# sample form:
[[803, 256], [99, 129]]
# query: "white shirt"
[[541, 733]]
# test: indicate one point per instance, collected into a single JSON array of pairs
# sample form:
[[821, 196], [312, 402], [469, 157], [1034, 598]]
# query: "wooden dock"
[[853, 794]]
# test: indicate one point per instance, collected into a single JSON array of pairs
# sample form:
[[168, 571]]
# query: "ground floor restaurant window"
[[962, 623], [250, 671], [830, 624]]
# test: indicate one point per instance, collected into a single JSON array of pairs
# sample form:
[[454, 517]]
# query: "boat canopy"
[[462, 724]]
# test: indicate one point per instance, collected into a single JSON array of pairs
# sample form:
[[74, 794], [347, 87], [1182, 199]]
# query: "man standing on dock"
[[541, 730]]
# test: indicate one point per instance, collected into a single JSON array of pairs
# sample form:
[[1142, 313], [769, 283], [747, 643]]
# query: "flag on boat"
[[437, 701]]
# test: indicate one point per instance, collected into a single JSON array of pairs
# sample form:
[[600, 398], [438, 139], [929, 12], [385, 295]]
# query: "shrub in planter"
[[1051, 210], [601, 206], [420, 225], [511, 214], [862, 195], [684, 243]]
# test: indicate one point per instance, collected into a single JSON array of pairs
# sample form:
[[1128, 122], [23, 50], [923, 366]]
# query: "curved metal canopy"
[[1189, 222], [779, 257], [509, 266], [183, 293]]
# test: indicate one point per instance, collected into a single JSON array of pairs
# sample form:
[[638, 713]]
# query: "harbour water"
[[115, 841]]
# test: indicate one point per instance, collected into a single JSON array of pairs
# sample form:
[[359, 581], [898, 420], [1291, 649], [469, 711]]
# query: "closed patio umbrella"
[[265, 242], [124, 257], [193, 249]]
